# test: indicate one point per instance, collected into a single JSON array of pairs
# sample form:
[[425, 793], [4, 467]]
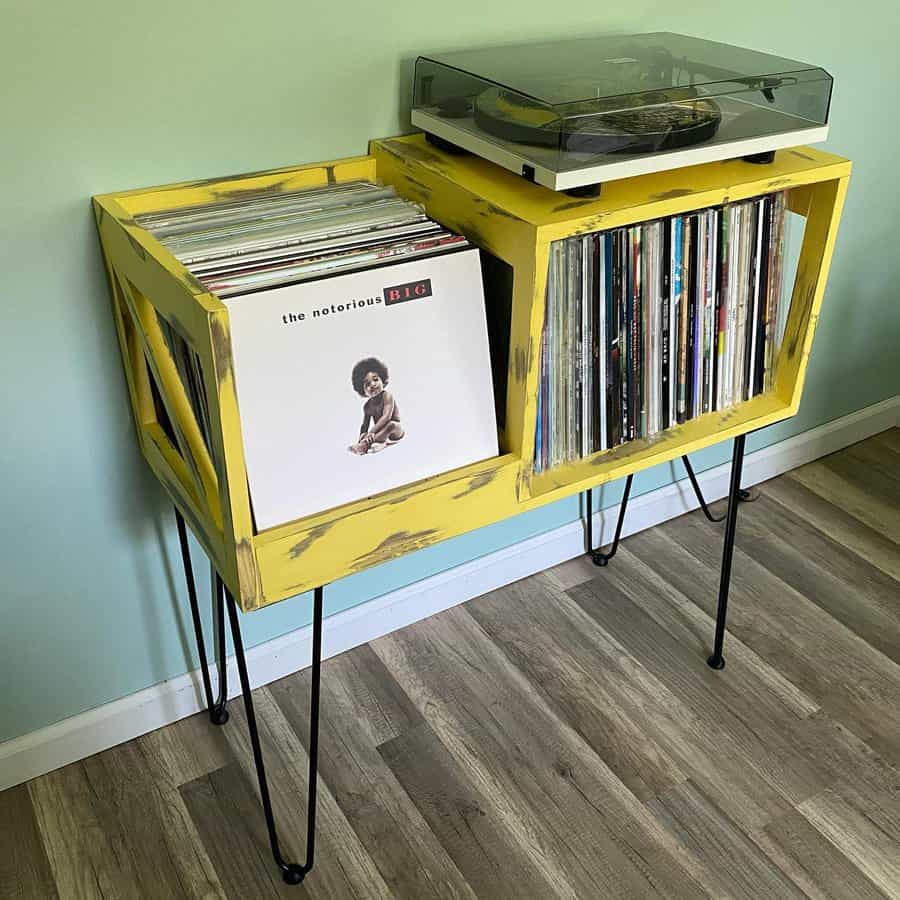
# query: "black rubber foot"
[[219, 716], [293, 874], [446, 146], [584, 190], [760, 158], [745, 495], [716, 662], [599, 559]]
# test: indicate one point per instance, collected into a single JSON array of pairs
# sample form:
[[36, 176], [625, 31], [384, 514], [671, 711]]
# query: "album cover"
[[362, 382]]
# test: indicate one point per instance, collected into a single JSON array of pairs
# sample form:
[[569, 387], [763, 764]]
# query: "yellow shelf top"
[[513, 195]]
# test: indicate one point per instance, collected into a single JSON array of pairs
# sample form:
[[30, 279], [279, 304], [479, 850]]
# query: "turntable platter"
[[653, 122]]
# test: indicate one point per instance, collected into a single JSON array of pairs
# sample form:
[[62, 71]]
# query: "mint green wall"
[[100, 96]]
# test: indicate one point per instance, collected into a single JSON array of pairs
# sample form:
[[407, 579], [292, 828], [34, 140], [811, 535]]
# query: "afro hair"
[[370, 364]]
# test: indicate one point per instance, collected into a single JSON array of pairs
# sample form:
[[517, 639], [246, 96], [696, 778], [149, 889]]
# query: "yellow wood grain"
[[825, 205], [243, 578], [192, 483], [798, 199], [174, 396], [697, 187], [474, 473], [132, 355], [528, 333], [529, 285], [169, 467], [634, 456], [321, 553], [621, 202], [236, 187], [143, 395]]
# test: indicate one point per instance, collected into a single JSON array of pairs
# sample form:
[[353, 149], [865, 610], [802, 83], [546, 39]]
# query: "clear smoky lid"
[[620, 94], [583, 70]]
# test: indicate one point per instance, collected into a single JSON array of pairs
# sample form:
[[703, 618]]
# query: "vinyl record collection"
[[651, 325], [267, 240], [273, 239]]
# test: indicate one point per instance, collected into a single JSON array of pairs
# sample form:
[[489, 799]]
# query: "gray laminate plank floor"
[[559, 738]]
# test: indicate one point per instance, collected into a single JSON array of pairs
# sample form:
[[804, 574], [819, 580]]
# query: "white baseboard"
[[80, 736]]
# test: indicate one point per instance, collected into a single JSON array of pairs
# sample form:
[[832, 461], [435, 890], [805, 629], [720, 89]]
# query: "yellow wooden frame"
[[512, 219]]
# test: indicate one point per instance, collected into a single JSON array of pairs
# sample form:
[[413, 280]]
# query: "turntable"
[[572, 114]]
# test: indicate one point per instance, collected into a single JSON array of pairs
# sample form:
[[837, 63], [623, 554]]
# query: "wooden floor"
[[561, 737]]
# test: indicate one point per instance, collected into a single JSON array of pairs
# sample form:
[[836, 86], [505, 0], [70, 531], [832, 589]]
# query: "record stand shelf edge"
[[515, 221]]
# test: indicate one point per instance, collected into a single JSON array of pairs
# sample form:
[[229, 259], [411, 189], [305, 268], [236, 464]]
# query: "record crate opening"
[[654, 325], [386, 305]]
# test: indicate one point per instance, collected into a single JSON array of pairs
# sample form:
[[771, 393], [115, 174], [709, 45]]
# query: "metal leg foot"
[[218, 713], [292, 873], [717, 661], [598, 557]]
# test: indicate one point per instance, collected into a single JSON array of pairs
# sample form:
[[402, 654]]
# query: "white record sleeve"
[[359, 383]]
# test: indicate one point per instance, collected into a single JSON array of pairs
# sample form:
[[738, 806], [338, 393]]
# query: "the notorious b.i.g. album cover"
[[361, 382]]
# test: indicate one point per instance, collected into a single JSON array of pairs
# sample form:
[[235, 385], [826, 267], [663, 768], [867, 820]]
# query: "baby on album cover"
[[370, 379], [358, 383]]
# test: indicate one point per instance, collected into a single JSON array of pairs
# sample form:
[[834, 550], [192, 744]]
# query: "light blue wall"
[[100, 96]]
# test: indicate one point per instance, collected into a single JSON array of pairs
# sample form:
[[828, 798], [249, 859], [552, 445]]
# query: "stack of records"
[[238, 246], [354, 320], [651, 325], [267, 239]]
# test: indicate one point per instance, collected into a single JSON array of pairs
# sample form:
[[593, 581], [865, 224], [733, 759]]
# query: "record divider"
[[515, 221]]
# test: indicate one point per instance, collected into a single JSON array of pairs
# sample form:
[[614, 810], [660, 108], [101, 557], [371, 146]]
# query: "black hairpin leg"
[[292, 873], [742, 494], [218, 713], [717, 661], [598, 557]]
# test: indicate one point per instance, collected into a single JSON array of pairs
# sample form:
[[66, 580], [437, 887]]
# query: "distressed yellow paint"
[[620, 202], [693, 435], [350, 543], [169, 467], [530, 288], [132, 356], [193, 483], [234, 187], [510, 218], [826, 202], [228, 446], [475, 473], [139, 258]]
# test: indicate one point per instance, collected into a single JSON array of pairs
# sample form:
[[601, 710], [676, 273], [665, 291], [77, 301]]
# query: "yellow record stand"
[[515, 221]]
